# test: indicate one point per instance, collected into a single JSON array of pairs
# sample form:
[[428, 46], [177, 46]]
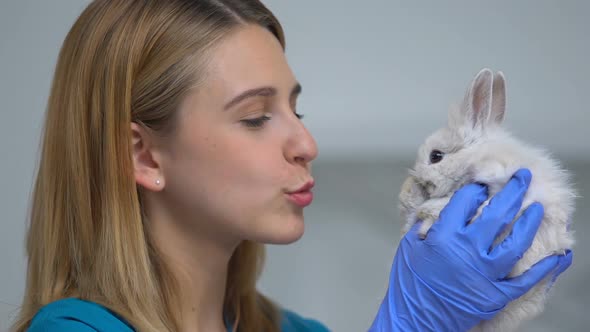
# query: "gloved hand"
[[451, 280]]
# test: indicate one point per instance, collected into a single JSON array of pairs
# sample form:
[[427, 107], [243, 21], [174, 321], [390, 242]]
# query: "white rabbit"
[[475, 148]]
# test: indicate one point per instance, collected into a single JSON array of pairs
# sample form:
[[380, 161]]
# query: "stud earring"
[[158, 182]]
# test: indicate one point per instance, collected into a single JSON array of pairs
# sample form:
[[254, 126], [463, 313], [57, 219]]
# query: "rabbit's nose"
[[430, 187]]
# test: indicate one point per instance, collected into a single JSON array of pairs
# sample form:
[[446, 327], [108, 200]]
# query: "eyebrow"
[[267, 91]]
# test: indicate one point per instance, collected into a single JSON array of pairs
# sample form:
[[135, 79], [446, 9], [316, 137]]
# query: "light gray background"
[[378, 76]]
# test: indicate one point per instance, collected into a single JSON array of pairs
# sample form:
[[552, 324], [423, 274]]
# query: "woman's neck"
[[199, 262]]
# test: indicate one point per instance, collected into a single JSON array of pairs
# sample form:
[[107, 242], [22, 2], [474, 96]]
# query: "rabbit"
[[474, 147]]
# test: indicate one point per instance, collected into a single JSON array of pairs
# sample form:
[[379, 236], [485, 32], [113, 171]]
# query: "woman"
[[172, 152]]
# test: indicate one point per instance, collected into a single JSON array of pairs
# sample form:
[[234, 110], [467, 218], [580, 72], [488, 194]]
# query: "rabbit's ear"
[[498, 98], [479, 99], [475, 111]]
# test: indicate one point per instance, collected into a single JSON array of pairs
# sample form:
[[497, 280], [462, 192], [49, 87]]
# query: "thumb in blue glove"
[[451, 280]]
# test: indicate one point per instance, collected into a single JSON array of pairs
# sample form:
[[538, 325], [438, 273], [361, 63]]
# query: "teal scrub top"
[[73, 314]]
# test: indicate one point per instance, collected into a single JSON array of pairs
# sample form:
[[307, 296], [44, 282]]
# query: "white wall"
[[379, 75]]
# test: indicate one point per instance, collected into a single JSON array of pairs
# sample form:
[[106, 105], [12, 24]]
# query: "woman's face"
[[229, 168]]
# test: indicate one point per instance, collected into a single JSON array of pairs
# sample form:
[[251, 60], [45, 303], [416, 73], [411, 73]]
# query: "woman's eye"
[[256, 123], [259, 122]]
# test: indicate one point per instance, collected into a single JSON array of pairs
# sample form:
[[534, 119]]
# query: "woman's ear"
[[147, 168]]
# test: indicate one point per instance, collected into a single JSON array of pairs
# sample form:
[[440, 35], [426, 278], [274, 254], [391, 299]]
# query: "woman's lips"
[[302, 198]]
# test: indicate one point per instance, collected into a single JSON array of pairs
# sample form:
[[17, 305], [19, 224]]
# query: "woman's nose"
[[301, 146]]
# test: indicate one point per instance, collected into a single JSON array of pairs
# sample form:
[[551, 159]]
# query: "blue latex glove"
[[451, 280]]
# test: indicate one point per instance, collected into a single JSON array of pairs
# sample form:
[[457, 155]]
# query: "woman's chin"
[[288, 231]]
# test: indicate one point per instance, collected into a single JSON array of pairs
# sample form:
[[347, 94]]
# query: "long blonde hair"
[[125, 61]]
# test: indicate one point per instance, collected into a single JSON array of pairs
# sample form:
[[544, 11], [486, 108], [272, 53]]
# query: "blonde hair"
[[126, 61]]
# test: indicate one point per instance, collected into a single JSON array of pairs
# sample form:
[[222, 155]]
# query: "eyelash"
[[259, 122]]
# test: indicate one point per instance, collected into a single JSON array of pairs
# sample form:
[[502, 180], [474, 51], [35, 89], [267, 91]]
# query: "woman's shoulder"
[[293, 322], [73, 314]]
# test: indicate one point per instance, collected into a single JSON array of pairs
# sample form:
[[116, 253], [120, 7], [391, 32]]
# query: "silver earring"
[[158, 182]]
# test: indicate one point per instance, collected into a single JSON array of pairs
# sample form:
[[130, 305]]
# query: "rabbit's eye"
[[436, 156]]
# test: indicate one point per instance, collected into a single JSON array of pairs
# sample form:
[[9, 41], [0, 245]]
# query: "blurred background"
[[378, 77]]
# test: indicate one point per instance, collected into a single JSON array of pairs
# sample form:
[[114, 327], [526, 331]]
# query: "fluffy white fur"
[[477, 149]]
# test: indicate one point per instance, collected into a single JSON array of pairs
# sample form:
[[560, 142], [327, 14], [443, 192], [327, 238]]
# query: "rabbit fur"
[[475, 148]]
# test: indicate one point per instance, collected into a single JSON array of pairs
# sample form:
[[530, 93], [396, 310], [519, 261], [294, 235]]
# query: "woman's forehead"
[[250, 57]]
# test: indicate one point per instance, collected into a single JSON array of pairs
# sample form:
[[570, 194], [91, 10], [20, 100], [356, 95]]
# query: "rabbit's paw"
[[429, 212], [428, 217]]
